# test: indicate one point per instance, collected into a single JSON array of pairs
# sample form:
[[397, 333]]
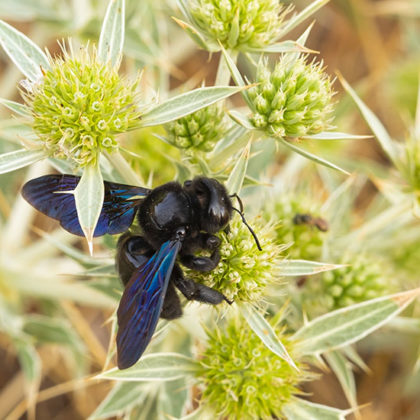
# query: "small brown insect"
[[308, 219]]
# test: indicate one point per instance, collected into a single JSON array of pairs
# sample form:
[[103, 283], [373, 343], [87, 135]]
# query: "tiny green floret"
[[80, 105], [293, 100], [239, 24], [242, 378], [244, 272], [199, 130]]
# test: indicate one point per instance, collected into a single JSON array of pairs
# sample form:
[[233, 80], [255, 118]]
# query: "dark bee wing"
[[141, 304], [117, 212]]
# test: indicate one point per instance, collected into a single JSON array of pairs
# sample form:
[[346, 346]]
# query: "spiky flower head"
[[243, 271], [80, 105], [293, 100], [238, 24], [242, 378], [304, 236], [362, 279], [199, 130]]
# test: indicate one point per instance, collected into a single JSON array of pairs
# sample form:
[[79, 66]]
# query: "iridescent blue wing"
[[117, 212], [141, 304]]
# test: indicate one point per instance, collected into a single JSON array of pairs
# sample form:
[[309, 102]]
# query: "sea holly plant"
[[77, 104], [228, 392]]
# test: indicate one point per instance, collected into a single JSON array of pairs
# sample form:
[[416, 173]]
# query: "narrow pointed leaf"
[[301, 16], [388, 145], [29, 360], [19, 159], [312, 157], [27, 56], [299, 409], [237, 176], [283, 47], [348, 325], [155, 367], [304, 267], [237, 77], [111, 39], [342, 369], [16, 107], [335, 135], [186, 103], [121, 398], [89, 198], [265, 332], [194, 34]]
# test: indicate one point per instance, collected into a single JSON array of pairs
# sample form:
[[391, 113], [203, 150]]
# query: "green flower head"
[[361, 280], [238, 24], [242, 378], [199, 130], [305, 237], [293, 100], [244, 272], [80, 105]]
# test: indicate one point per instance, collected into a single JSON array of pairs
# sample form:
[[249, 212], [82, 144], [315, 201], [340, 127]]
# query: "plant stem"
[[124, 169]]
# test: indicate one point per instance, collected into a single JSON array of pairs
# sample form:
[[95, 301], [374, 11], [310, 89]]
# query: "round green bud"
[[199, 130], [294, 99], [238, 24], [80, 105], [242, 378]]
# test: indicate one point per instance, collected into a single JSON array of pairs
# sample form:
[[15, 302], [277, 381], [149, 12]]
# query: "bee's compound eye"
[[187, 183]]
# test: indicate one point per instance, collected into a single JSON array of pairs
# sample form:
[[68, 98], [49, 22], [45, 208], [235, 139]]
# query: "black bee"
[[308, 219], [176, 221]]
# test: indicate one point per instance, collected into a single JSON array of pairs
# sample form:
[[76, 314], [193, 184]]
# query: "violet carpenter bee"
[[176, 221]]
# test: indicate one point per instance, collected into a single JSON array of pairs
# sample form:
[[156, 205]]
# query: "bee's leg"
[[196, 291], [203, 264], [171, 308], [132, 252]]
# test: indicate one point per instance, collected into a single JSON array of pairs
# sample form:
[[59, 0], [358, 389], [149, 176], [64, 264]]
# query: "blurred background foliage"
[[54, 328]]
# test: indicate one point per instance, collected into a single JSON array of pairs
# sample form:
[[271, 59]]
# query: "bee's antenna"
[[241, 213]]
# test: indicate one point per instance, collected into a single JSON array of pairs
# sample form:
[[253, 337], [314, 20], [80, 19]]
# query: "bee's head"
[[215, 205]]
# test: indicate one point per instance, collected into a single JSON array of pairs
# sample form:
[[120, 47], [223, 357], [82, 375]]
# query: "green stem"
[[223, 73], [124, 169]]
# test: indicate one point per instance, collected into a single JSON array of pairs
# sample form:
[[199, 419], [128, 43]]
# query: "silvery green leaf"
[[335, 135], [389, 146], [348, 325], [27, 56], [173, 399], [282, 47], [154, 367], [45, 329], [122, 397], [111, 39], [27, 10], [184, 8], [19, 159], [237, 77], [299, 409], [195, 35], [186, 103], [89, 198], [237, 175], [241, 119], [312, 157], [230, 145], [304, 267], [265, 332], [342, 369], [16, 107], [29, 360], [298, 18]]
